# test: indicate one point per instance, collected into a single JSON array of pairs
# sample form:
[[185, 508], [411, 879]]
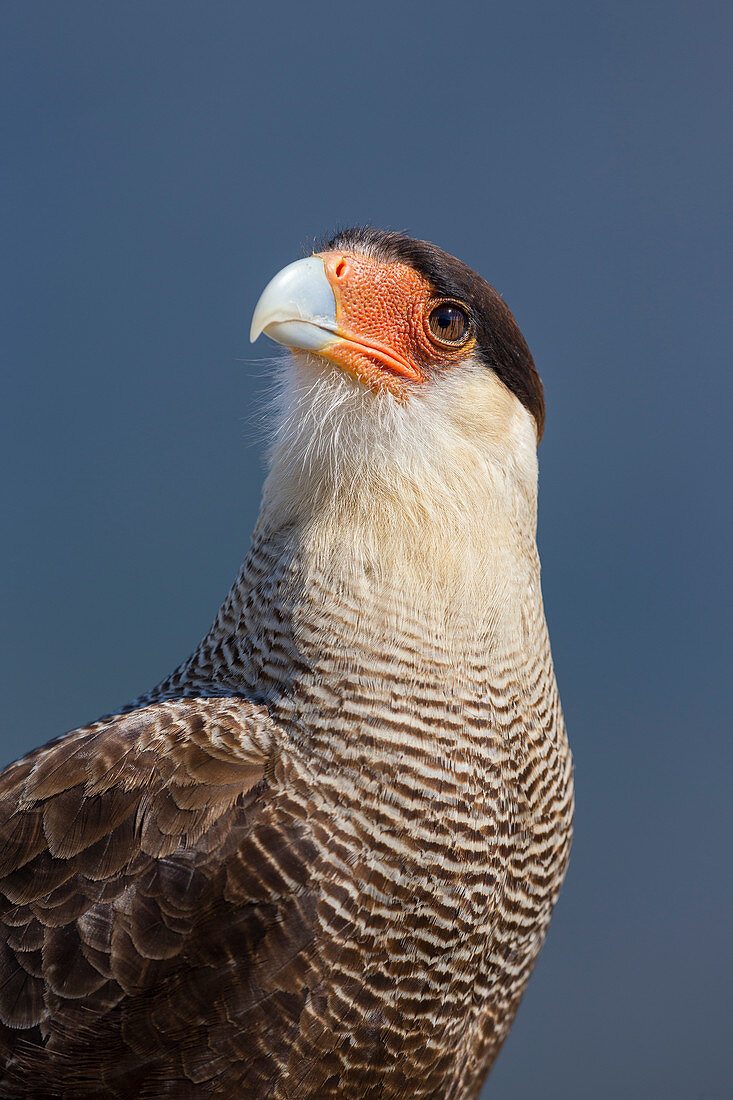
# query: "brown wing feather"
[[141, 918]]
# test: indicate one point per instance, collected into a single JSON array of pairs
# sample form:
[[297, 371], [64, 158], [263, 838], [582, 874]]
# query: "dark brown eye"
[[449, 324]]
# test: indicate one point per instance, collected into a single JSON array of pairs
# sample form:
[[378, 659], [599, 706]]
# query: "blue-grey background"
[[160, 161]]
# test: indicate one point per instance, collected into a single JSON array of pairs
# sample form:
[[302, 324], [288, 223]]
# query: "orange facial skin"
[[382, 312]]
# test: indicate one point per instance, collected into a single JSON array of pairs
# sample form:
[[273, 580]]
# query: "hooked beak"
[[298, 307], [308, 307]]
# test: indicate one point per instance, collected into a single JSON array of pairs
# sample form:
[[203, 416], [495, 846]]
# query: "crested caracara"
[[320, 858]]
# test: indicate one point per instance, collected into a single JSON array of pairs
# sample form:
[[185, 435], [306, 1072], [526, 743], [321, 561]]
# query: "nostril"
[[340, 268]]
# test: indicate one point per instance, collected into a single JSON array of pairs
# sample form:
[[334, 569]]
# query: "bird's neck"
[[370, 590]]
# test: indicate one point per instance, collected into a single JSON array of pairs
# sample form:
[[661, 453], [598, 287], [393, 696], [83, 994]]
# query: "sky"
[[161, 160]]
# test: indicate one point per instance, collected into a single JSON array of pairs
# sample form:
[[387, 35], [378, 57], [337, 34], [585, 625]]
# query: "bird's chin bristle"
[[451, 465]]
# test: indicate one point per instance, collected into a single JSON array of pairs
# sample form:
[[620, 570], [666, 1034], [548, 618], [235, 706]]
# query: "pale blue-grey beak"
[[297, 308]]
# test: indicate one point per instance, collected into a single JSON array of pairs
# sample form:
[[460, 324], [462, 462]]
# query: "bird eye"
[[449, 324]]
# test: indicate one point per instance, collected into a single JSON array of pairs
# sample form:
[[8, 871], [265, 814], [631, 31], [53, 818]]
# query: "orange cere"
[[380, 312]]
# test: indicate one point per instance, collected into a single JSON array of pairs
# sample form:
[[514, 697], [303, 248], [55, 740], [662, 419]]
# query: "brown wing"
[[150, 886]]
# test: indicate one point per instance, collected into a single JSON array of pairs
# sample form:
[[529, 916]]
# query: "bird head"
[[408, 377]]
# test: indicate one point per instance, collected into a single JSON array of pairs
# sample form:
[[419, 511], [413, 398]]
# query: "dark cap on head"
[[498, 337]]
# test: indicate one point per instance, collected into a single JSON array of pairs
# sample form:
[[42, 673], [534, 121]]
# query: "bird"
[[319, 859]]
